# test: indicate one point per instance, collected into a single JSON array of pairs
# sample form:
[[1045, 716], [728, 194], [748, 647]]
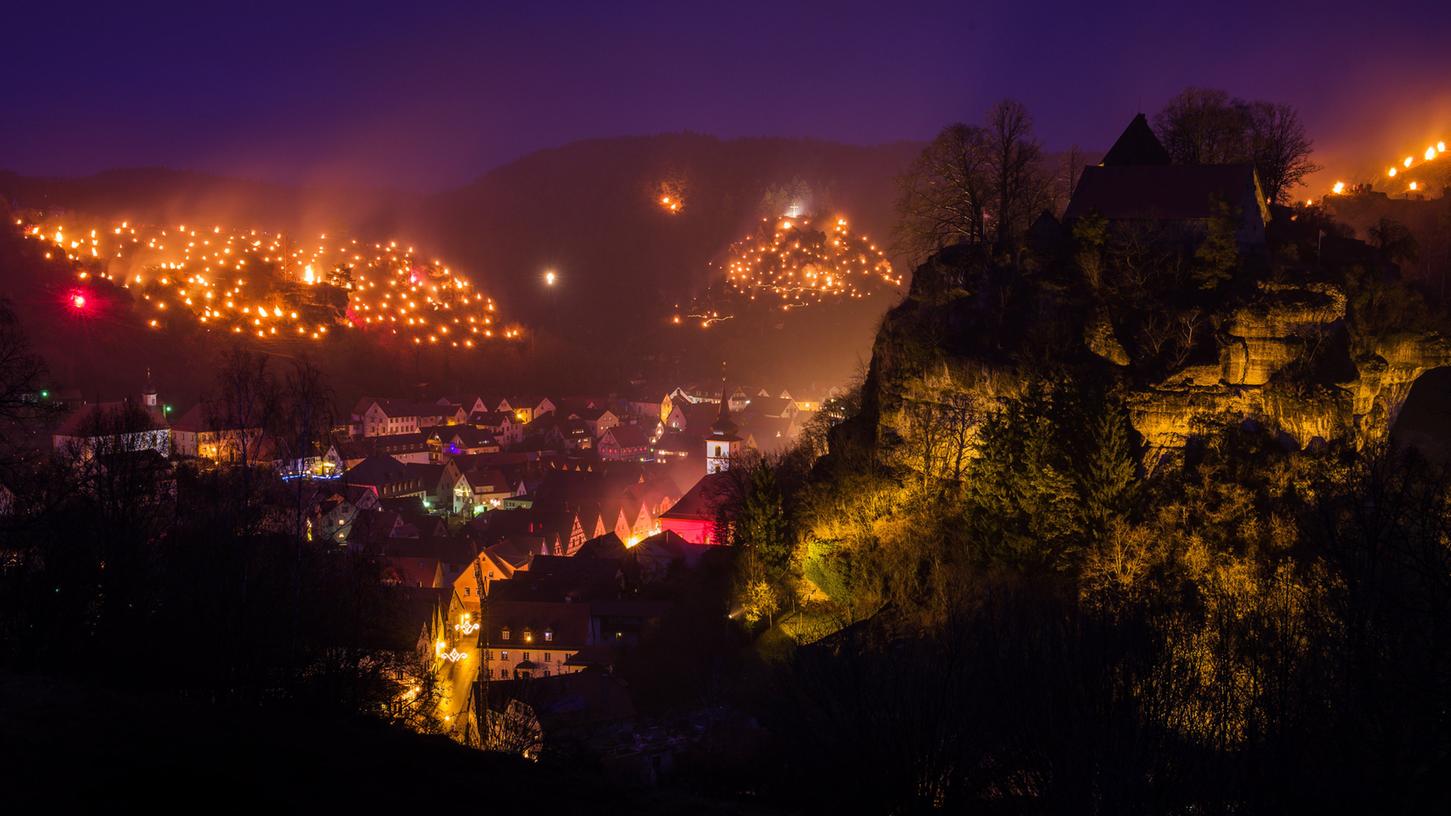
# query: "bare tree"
[[1020, 190], [1279, 148], [972, 184], [1206, 126], [20, 370], [1203, 126], [944, 195], [1186, 328], [1070, 170]]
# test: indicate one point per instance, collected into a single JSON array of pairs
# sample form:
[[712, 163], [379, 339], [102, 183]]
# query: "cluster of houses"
[[518, 530], [458, 489]]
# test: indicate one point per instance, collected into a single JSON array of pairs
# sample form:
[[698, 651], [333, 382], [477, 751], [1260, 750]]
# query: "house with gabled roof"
[[1137, 184], [409, 448], [697, 516], [387, 478], [449, 441], [503, 425], [625, 443]]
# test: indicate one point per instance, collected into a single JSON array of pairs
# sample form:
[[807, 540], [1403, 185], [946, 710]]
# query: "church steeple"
[[148, 394], [723, 425], [722, 445]]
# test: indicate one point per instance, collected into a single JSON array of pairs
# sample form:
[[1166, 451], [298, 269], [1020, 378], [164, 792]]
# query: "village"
[[887, 409], [518, 535]]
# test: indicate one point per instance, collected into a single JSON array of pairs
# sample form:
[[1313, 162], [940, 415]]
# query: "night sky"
[[428, 95]]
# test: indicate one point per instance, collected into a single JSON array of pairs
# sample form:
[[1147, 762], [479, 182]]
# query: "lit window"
[[503, 655], [504, 635], [548, 635]]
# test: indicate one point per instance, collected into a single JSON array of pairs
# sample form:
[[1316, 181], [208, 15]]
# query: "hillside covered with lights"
[[635, 229], [266, 285]]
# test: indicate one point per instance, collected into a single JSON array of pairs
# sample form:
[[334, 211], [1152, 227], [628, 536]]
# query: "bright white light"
[[550, 278]]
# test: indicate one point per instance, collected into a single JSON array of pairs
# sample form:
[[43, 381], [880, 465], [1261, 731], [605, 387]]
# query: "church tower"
[[148, 394], [722, 444]]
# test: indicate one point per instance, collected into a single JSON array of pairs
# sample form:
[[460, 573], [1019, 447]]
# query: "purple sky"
[[428, 95]]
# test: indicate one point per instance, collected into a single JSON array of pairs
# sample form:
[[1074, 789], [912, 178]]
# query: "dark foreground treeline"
[[1252, 630], [181, 578]]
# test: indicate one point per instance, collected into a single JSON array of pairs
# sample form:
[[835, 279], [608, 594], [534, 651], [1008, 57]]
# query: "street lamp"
[[550, 277]]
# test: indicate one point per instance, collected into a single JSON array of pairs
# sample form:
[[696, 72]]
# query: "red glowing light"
[[78, 301]]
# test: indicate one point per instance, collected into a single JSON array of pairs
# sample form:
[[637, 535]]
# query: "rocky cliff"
[[1281, 354], [1261, 348]]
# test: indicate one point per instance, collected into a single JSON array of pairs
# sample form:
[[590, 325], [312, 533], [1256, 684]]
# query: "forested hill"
[[590, 210]]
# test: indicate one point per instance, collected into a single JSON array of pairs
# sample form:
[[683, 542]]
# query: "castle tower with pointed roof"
[[1136, 146]]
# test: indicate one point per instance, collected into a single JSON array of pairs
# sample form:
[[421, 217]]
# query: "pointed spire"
[[1136, 146], [723, 427]]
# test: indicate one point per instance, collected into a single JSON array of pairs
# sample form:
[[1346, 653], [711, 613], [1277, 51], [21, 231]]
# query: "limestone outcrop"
[[1283, 357], [1263, 339]]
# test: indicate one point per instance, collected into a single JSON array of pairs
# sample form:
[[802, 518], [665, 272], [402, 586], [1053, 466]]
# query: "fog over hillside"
[[591, 211]]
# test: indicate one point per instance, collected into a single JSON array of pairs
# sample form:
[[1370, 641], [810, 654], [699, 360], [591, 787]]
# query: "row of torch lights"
[[1394, 171]]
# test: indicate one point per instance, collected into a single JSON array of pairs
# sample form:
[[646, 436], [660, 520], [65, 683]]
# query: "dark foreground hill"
[[80, 747]]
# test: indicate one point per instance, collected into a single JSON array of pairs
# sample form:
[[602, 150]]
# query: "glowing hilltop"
[[269, 286], [1404, 171], [792, 262]]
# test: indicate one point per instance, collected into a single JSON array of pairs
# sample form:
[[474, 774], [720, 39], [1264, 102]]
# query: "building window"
[[525, 656], [504, 635], [547, 657], [503, 655], [548, 635]]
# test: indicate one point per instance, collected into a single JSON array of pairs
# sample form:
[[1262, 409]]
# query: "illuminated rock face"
[[1274, 330], [1259, 341], [1284, 360]]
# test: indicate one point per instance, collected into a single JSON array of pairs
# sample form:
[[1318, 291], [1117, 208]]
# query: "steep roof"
[[703, 501], [607, 546], [770, 406], [770, 433], [627, 436], [107, 418], [1163, 192], [376, 470], [560, 579], [1137, 145], [723, 428], [397, 407], [660, 550], [193, 421]]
